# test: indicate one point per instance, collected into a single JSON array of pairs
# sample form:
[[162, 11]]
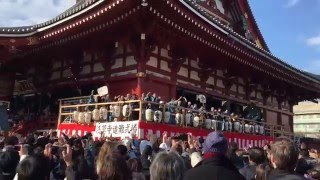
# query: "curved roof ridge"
[[80, 5]]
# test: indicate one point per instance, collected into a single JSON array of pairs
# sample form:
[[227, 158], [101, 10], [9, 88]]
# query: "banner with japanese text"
[[117, 129]]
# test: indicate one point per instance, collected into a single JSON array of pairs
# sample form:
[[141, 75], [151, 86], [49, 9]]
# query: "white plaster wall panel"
[[220, 6], [66, 73], [183, 72], [186, 62], [157, 74], [55, 75], [259, 87], [209, 89], [194, 75], [124, 73], [164, 66], [119, 50], [220, 83], [240, 81], [86, 69], [232, 95], [155, 50], [220, 73], [233, 88], [210, 80], [253, 93], [57, 64], [87, 57], [130, 61], [118, 63], [259, 95], [153, 62], [164, 53], [194, 64], [241, 89], [98, 67], [269, 100]]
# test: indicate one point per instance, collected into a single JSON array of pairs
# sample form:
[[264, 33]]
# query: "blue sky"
[[290, 27]]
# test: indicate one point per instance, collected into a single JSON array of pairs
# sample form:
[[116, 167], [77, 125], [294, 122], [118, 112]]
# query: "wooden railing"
[[67, 108]]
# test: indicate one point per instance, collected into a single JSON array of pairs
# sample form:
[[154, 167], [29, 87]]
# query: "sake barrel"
[[96, 115], [251, 128], [157, 117], [126, 110], [75, 116], [256, 129], [149, 115], [82, 118], [241, 128], [226, 125], [261, 130], [247, 128], [230, 125], [167, 117], [178, 118], [196, 121], [103, 113], [87, 117], [188, 118], [237, 126], [214, 124], [116, 111], [208, 123]]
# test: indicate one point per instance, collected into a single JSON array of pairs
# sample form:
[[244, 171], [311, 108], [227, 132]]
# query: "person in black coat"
[[256, 157], [215, 165]]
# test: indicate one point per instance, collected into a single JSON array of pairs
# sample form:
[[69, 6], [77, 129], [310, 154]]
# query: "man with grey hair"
[[284, 157]]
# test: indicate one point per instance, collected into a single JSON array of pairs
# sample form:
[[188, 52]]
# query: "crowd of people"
[[46, 156]]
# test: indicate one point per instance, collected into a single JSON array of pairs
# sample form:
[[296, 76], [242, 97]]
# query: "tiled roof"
[[82, 4], [228, 29]]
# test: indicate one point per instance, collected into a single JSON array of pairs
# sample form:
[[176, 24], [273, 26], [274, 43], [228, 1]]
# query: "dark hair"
[[256, 155], [304, 153], [114, 167], [134, 165], [11, 141], [33, 167], [9, 161], [122, 149]]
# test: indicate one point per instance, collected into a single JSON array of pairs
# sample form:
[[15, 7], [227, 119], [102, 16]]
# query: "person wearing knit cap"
[[214, 165]]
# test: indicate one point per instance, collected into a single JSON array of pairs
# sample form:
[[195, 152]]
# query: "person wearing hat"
[[214, 164]]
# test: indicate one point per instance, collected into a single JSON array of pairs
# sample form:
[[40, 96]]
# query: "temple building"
[[170, 47]]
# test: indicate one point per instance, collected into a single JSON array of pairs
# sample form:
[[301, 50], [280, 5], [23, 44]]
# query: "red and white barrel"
[[75, 116], [126, 110]]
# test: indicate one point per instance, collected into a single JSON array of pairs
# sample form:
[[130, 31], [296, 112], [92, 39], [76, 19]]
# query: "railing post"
[[60, 111], [140, 110]]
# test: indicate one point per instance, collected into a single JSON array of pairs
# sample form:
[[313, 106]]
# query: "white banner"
[[117, 129]]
